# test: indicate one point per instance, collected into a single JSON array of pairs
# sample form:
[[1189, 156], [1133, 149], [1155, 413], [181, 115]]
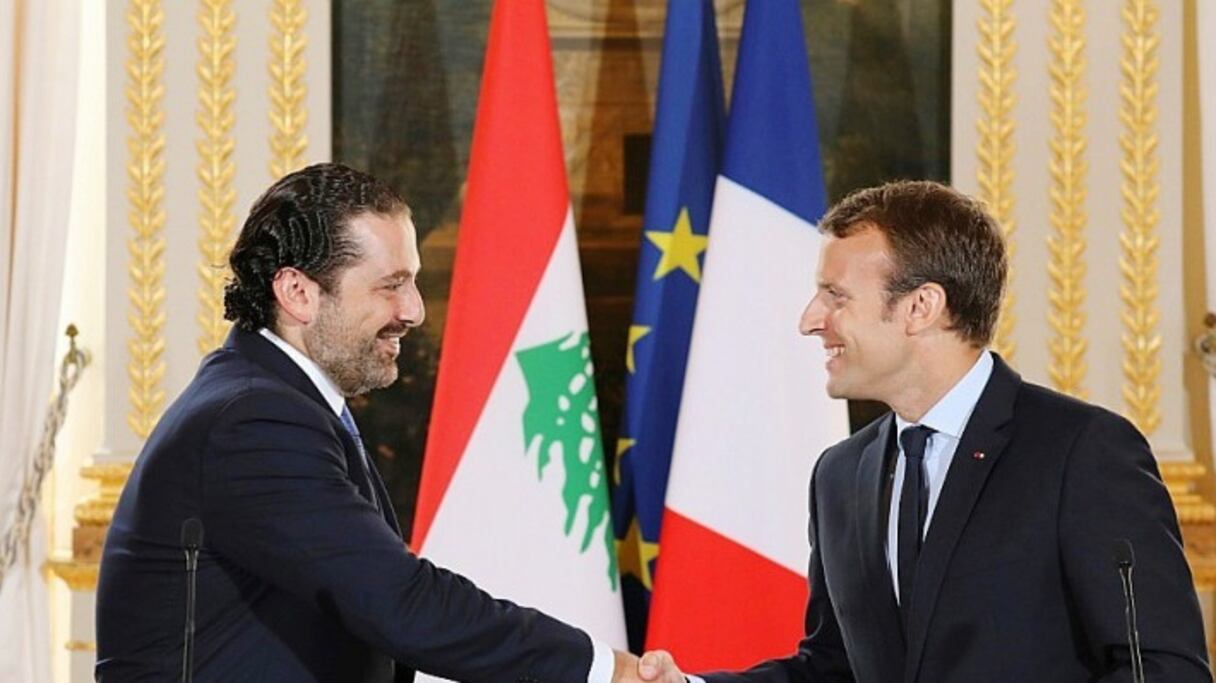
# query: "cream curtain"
[[1206, 20], [38, 85]]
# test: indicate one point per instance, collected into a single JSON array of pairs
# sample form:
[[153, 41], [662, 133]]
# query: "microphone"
[[192, 538], [1125, 560]]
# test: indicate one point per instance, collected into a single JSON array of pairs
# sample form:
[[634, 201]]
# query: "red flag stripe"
[[718, 604], [516, 203]]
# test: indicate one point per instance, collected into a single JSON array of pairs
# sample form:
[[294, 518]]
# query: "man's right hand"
[[625, 667], [658, 666]]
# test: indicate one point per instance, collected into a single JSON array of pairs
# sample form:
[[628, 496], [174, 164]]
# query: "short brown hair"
[[937, 234]]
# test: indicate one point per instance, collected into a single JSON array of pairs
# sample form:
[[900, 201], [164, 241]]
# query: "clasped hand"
[[656, 666]]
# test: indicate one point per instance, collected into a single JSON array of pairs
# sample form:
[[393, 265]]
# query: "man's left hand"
[[658, 666]]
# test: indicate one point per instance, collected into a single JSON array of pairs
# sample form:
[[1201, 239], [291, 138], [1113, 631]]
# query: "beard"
[[356, 363]]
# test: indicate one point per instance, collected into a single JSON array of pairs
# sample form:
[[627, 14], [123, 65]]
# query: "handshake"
[[656, 666]]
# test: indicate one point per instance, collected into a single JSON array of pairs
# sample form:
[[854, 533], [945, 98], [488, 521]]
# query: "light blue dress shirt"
[[948, 418]]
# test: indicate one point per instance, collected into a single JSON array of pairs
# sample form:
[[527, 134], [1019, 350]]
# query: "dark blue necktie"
[[913, 507], [348, 421]]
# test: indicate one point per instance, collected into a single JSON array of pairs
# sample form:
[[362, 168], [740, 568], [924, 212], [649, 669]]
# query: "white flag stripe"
[[755, 415], [501, 525]]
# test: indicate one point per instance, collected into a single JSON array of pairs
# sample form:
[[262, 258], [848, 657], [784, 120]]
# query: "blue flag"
[[754, 414], [773, 142], [685, 155]]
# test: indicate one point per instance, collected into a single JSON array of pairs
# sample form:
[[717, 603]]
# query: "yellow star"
[[680, 248], [635, 554], [622, 445], [636, 332]]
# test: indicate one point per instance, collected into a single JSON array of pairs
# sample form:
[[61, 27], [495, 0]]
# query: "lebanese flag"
[[732, 587], [514, 494]]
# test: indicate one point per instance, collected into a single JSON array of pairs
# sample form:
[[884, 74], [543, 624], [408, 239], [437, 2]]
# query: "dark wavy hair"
[[301, 222], [937, 234]]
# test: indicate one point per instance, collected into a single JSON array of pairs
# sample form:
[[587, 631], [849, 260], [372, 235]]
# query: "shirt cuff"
[[603, 662], [693, 679]]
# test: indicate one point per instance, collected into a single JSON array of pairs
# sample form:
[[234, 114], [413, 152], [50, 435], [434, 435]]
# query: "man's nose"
[[412, 309], [811, 322]]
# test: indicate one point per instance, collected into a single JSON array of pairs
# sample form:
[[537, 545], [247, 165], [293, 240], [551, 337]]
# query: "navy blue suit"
[[303, 574], [1016, 580]]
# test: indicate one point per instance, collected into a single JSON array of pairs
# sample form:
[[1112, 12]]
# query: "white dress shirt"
[[329, 390], [602, 660], [948, 418]]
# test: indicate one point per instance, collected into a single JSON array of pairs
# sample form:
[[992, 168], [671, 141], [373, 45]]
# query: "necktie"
[[913, 506], [348, 421]]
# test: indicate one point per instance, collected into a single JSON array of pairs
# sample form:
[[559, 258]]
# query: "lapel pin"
[[978, 455]]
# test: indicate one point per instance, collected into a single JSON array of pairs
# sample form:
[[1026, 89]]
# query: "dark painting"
[[405, 82]]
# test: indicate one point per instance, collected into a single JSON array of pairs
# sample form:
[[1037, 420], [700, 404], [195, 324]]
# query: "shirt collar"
[[951, 412], [329, 391]]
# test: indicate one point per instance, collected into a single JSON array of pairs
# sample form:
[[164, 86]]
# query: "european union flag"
[[685, 154]]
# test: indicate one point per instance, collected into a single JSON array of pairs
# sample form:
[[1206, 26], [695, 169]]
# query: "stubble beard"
[[355, 364]]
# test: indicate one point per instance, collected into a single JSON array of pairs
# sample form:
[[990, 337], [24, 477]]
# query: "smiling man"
[[970, 534], [303, 574]]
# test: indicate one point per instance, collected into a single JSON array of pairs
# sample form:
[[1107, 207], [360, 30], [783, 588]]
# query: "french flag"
[[754, 415]]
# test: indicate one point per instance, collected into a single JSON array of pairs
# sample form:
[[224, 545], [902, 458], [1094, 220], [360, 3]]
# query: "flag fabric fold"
[[685, 155], [514, 494], [754, 415]]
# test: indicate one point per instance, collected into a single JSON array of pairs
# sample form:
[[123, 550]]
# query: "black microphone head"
[[192, 533], [1124, 557]]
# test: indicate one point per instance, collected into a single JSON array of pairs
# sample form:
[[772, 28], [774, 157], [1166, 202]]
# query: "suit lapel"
[[872, 530], [386, 506], [987, 432], [367, 478], [359, 473], [260, 350]]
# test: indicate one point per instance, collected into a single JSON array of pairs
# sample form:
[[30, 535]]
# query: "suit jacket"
[[301, 577], [1016, 579]]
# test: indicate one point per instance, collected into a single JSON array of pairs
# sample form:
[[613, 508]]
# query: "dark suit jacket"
[[1016, 581], [300, 577]]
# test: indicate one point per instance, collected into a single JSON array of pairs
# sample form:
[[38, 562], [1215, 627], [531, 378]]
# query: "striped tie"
[[348, 421]]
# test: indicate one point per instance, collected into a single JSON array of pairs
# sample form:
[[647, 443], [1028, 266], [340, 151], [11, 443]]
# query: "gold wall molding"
[[1186, 482], [1203, 575], [288, 115], [1066, 246], [216, 169], [111, 477], [1138, 241], [93, 517], [79, 576], [81, 645], [145, 193], [1105, 107], [994, 148]]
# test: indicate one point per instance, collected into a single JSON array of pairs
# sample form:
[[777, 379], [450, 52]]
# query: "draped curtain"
[[38, 84], [1206, 30]]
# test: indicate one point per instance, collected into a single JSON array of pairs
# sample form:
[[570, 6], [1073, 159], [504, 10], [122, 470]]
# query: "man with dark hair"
[[303, 574], [970, 534]]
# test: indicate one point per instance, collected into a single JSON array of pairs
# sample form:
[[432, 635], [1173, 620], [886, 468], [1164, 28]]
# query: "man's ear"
[[298, 295], [926, 308]]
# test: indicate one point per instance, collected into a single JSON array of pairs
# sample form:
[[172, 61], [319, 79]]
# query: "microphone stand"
[[192, 538], [1125, 560]]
